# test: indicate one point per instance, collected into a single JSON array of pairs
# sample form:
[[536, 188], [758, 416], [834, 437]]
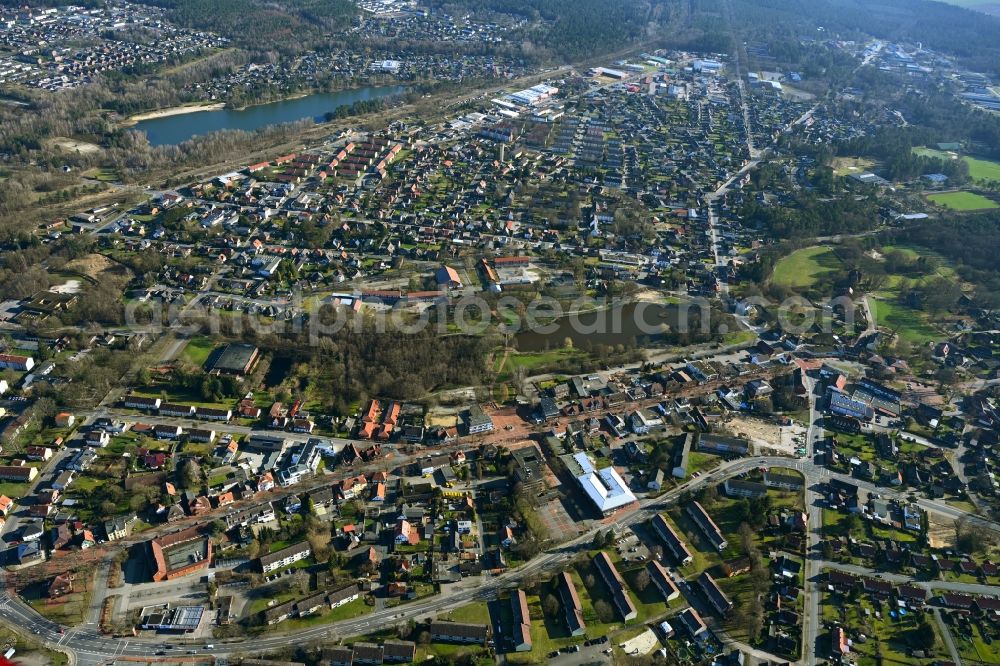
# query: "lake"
[[175, 129]]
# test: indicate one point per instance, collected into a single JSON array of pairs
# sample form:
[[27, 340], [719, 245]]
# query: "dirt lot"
[[74, 146], [508, 423], [442, 418], [766, 436], [94, 265], [922, 393], [940, 531]]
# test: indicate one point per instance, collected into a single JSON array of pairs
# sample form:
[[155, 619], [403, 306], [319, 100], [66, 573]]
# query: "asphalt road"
[[89, 647], [814, 527]]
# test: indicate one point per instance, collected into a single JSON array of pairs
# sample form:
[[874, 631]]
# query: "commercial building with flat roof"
[[604, 487], [842, 405], [234, 359], [181, 618], [529, 467]]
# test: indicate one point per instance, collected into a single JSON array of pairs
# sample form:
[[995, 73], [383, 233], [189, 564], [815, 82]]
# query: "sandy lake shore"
[[175, 111]]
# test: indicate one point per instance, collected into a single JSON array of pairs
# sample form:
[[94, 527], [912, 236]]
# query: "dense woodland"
[[971, 36], [291, 26], [811, 216], [562, 29], [970, 242]]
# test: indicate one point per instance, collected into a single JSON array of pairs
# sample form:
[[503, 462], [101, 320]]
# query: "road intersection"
[[90, 647]]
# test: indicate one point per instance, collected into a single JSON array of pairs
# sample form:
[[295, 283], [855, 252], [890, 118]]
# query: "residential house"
[[459, 632]]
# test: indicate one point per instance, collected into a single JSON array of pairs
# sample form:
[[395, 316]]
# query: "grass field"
[[14, 491], [979, 169], [197, 351], [924, 151], [845, 166], [805, 267], [535, 362], [962, 201], [910, 324], [476, 613]]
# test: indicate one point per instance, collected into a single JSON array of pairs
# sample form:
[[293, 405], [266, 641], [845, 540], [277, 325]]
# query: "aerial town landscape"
[[516, 332]]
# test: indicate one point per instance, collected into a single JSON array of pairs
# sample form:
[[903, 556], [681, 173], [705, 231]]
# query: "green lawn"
[[197, 351], [924, 151], [979, 169], [973, 649], [14, 490], [739, 337], [834, 522], [534, 362], [702, 462], [805, 267], [476, 613], [962, 201], [845, 166]]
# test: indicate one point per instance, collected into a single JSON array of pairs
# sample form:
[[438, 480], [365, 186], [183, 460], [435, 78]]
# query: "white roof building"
[[605, 487]]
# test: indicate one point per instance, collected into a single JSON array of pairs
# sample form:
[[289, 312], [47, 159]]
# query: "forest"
[[812, 216], [970, 242], [289, 27], [576, 28], [971, 36]]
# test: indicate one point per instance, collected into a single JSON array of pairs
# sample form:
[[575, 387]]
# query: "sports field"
[[979, 169], [982, 169], [962, 201]]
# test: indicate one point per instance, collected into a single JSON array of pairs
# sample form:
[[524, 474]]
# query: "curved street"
[[89, 647]]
